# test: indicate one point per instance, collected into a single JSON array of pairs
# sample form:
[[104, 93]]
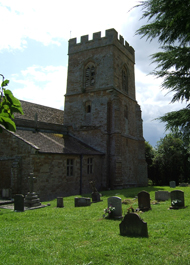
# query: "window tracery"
[[90, 75]]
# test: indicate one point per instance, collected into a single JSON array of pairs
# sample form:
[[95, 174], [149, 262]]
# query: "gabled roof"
[[55, 143]]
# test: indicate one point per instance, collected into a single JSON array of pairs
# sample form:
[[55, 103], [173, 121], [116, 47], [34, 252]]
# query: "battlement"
[[111, 37]]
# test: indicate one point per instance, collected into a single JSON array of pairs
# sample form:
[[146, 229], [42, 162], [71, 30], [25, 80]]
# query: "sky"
[[34, 51]]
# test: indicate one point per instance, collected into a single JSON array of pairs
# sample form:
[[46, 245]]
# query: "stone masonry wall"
[[51, 175], [114, 124], [15, 159], [18, 159]]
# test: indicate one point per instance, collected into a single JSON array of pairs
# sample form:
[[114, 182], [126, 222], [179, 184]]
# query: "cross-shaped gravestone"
[[31, 182]]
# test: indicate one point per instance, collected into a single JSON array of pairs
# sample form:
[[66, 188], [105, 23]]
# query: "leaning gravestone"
[[133, 225], [115, 202], [177, 199], [162, 195], [19, 203], [80, 202], [172, 184], [144, 201], [60, 202]]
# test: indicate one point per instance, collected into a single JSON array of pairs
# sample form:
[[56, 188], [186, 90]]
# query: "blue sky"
[[34, 46]]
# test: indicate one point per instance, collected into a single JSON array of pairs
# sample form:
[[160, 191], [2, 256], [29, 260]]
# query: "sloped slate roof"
[[55, 143], [42, 113]]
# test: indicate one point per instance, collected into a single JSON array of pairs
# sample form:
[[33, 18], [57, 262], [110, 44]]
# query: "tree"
[[8, 106], [171, 160], [169, 22], [149, 156]]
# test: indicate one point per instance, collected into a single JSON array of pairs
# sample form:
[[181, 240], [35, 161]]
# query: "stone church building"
[[97, 137]]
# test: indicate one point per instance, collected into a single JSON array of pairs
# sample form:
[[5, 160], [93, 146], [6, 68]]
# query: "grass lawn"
[[81, 235]]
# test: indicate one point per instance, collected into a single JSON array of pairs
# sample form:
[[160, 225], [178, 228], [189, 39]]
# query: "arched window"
[[88, 106], [126, 112], [125, 80], [89, 75]]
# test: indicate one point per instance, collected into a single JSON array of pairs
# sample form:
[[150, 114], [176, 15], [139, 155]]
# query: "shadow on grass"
[[127, 193], [134, 236]]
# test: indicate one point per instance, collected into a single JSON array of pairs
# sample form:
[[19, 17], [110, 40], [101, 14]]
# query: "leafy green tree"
[[149, 156], [8, 106], [169, 22], [171, 160]]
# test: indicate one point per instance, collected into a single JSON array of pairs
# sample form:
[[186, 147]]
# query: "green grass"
[[81, 235]]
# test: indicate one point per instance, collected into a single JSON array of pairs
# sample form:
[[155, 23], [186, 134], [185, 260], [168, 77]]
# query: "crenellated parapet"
[[111, 38]]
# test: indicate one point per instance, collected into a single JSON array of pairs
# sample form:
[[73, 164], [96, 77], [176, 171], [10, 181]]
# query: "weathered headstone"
[[95, 193], [177, 199], [60, 202], [19, 203], [6, 193], [172, 184], [115, 202], [183, 184], [162, 195], [95, 197], [144, 201], [133, 225], [31, 199], [80, 202]]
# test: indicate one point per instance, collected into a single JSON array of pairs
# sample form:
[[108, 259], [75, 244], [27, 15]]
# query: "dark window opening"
[[88, 108], [70, 167], [126, 112], [125, 81], [89, 165]]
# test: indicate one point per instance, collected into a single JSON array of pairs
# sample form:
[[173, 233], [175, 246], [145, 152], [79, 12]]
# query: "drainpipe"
[[81, 157]]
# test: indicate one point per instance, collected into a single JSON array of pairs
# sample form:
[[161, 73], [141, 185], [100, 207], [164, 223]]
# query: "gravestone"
[[60, 202], [133, 225], [95, 193], [19, 203], [80, 202], [178, 196], [95, 197], [162, 195], [183, 184], [6, 193], [144, 201], [172, 184], [115, 202], [31, 199]]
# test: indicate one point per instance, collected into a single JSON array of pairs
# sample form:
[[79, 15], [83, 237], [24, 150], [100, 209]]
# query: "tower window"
[[126, 112], [90, 75], [88, 108], [125, 80]]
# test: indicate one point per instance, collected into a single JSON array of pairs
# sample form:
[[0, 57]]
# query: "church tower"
[[101, 108]]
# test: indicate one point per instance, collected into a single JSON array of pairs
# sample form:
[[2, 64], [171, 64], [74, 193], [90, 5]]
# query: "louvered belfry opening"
[[125, 80], [90, 75]]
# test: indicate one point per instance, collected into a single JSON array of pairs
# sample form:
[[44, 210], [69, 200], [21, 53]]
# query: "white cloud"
[[51, 21], [41, 85]]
